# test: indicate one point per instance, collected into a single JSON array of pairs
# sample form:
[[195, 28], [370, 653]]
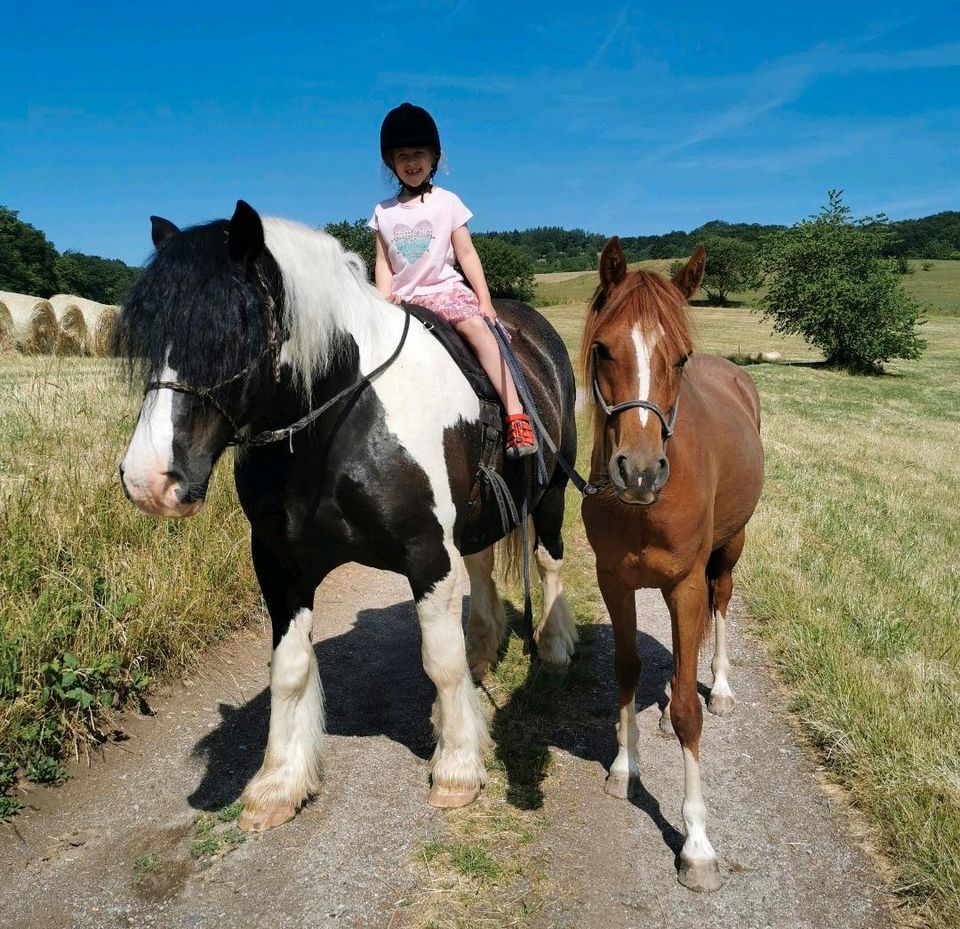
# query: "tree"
[[732, 266], [105, 280], [508, 270], [829, 283], [27, 258], [356, 237]]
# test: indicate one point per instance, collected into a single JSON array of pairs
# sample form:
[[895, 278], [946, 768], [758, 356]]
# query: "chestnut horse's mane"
[[648, 300]]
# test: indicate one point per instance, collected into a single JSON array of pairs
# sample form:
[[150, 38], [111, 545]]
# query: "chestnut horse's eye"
[[601, 351], [683, 361]]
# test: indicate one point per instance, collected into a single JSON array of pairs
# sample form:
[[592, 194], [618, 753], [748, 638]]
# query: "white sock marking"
[[697, 846]]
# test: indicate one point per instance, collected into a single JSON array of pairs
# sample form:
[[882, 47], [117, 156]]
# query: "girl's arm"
[[382, 272], [473, 269]]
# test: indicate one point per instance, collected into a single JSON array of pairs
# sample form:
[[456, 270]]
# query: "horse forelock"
[[327, 297], [192, 302], [648, 303]]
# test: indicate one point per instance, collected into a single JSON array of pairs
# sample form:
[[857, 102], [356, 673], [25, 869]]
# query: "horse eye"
[[683, 361], [603, 353]]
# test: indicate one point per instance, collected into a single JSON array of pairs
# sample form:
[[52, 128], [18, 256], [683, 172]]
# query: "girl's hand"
[[487, 311], [395, 298]]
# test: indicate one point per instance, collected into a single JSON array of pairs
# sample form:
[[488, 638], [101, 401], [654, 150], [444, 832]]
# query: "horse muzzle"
[[638, 483], [162, 493]]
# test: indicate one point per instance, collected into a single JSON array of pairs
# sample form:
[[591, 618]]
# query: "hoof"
[[622, 786], [666, 727], [721, 704], [260, 820], [699, 876], [449, 798], [479, 670]]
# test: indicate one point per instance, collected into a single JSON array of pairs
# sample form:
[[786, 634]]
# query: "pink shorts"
[[454, 305]]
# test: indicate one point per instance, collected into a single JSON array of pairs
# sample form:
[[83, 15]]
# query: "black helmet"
[[406, 126]]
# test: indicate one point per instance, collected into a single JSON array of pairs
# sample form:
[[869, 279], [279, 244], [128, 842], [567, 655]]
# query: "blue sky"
[[627, 118]]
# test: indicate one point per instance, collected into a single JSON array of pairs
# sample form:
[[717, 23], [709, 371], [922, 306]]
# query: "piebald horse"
[[679, 463], [240, 329]]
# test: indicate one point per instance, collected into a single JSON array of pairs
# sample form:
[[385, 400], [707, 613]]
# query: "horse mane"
[[649, 301], [327, 297]]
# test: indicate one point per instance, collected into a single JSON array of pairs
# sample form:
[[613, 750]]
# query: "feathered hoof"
[[449, 798], [622, 786], [699, 876], [261, 819], [721, 704]]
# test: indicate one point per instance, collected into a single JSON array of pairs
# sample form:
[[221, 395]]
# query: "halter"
[[666, 421], [268, 436]]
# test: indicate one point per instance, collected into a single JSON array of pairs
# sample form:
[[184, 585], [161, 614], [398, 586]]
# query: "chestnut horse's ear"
[[613, 265], [161, 231], [689, 277], [245, 236]]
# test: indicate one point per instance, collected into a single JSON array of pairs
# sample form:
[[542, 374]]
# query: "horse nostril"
[[622, 467], [662, 463]]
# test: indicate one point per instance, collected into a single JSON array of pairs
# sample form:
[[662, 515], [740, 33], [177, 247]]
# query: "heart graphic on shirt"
[[413, 242]]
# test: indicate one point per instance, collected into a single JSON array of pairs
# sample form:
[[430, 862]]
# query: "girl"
[[420, 232]]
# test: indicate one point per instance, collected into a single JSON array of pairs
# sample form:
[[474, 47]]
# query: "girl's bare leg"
[[485, 347]]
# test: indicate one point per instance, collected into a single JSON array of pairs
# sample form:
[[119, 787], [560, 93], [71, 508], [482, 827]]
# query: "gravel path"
[[111, 848]]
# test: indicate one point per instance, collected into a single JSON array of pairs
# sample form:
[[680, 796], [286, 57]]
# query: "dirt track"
[[111, 848]]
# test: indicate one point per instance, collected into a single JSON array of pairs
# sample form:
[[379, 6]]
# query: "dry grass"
[[35, 326], [102, 339], [7, 340], [74, 337], [95, 595]]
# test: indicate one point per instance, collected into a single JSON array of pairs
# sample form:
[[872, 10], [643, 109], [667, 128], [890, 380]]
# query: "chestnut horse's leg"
[[557, 633], [687, 601], [624, 777], [290, 772], [720, 571], [457, 772], [487, 624]]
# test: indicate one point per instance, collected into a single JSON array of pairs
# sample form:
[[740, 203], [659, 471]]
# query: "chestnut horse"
[[669, 514]]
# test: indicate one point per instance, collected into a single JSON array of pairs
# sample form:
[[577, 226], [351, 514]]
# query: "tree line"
[[30, 264]]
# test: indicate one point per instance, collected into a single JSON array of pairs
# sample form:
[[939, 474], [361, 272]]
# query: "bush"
[[508, 270], [830, 284], [356, 237]]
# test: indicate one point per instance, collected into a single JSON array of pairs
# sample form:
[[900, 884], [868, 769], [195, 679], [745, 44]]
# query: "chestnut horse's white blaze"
[[644, 354], [291, 765]]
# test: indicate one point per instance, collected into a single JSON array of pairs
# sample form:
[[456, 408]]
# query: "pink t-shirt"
[[419, 242]]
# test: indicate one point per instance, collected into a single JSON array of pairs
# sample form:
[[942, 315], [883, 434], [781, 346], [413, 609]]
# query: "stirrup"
[[521, 440]]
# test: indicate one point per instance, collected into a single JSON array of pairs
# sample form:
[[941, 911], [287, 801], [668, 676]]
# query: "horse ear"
[[689, 277], [161, 231], [613, 264], [245, 236]]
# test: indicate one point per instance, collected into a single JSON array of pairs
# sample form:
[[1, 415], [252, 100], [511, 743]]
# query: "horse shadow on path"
[[375, 685]]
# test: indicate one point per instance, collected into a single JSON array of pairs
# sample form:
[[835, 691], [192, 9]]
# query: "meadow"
[[850, 574]]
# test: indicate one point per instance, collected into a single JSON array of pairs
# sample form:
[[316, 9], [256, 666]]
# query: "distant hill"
[[552, 248]]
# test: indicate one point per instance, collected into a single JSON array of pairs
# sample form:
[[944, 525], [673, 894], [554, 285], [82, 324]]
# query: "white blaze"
[[151, 449], [644, 353]]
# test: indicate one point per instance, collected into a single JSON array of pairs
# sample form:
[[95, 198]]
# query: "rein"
[[667, 420], [269, 436]]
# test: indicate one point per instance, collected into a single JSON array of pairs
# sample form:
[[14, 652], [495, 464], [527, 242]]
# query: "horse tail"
[[509, 557]]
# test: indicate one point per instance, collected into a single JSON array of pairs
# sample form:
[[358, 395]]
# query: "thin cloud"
[[605, 44]]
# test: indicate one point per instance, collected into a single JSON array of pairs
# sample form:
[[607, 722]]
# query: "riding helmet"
[[406, 126]]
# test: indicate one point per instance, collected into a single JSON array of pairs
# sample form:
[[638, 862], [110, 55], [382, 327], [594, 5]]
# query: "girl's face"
[[413, 165]]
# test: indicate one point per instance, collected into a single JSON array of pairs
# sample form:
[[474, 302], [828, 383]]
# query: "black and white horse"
[[246, 325]]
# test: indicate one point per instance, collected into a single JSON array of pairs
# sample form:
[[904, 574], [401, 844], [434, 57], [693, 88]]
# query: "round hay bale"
[[74, 335], [90, 309], [6, 329], [35, 325], [102, 342]]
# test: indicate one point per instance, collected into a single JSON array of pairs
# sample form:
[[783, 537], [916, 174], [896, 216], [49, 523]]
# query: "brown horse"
[[683, 535]]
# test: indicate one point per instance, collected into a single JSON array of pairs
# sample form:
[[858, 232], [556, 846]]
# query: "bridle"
[[272, 348], [667, 420]]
